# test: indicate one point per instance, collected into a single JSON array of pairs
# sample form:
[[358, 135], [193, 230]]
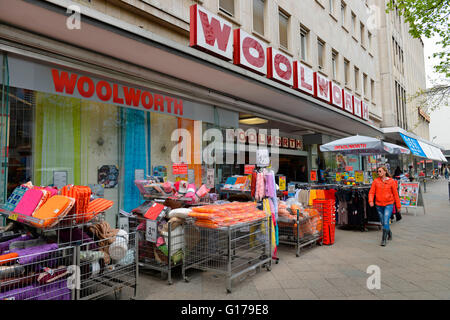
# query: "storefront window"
[[58, 140]]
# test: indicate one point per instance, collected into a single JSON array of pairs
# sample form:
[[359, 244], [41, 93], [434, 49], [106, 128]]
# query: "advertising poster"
[[249, 168], [291, 189], [210, 178], [313, 175], [282, 183], [108, 176], [359, 176], [179, 168], [409, 194]]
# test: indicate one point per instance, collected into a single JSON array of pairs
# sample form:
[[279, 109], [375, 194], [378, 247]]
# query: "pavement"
[[414, 265]]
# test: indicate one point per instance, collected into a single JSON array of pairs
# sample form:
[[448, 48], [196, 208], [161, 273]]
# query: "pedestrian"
[[384, 190], [398, 172], [446, 172], [302, 175]]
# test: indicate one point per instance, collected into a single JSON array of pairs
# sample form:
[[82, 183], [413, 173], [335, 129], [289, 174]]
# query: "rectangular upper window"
[[320, 52], [356, 79], [334, 64], [362, 34], [304, 34], [227, 6], [258, 16], [283, 29], [353, 24], [343, 10], [346, 71]]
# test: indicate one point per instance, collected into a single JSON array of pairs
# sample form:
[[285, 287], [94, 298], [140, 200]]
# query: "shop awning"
[[397, 149], [359, 145], [423, 149]]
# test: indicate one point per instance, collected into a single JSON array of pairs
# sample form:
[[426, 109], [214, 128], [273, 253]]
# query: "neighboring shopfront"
[[68, 127]]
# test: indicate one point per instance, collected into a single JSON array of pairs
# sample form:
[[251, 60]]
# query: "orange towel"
[[6, 258]]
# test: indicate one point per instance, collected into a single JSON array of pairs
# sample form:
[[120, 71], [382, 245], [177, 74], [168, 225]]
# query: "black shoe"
[[383, 240], [389, 235]]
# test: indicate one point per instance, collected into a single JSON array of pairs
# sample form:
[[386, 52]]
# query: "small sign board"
[[409, 194]]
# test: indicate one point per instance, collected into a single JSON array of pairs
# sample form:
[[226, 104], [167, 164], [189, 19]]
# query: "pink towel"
[[260, 191], [29, 202]]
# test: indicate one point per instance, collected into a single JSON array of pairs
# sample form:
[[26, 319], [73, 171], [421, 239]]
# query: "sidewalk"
[[414, 265]]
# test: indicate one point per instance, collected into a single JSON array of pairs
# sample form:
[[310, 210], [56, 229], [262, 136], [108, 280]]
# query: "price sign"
[[338, 177], [313, 175], [13, 216], [179, 168], [262, 157], [359, 176], [282, 183], [249, 168], [348, 168], [124, 224], [151, 231]]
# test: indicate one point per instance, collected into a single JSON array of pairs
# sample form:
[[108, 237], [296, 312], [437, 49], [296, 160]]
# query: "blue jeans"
[[385, 214]]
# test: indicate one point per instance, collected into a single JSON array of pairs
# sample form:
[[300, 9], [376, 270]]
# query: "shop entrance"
[[291, 167]]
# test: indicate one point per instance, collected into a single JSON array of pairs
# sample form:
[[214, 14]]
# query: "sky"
[[440, 119]]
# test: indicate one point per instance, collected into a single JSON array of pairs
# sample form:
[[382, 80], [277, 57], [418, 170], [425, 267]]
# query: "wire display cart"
[[232, 251], [98, 279], [73, 256], [43, 275], [162, 256], [302, 229]]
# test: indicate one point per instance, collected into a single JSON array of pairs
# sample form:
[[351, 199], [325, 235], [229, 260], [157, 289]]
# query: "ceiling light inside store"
[[253, 120]]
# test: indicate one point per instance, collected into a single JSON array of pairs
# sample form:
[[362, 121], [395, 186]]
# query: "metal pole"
[[169, 264], [229, 262]]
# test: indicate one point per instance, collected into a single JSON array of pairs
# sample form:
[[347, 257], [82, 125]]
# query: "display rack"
[[301, 231], [80, 255], [150, 257], [112, 278], [233, 251]]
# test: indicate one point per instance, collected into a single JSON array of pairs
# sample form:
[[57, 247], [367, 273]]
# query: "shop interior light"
[[253, 120]]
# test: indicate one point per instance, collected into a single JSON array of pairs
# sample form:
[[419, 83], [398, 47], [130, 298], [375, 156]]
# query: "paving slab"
[[414, 265]]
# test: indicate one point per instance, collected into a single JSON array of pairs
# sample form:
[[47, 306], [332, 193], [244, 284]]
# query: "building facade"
[[402, 74], [94, 90]]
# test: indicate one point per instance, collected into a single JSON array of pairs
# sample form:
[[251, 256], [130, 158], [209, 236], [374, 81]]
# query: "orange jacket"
[[385, 192]]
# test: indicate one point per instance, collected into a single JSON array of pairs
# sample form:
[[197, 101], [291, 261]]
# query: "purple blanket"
[[4, 246], [54, 291], [75, 235], [35, 254]]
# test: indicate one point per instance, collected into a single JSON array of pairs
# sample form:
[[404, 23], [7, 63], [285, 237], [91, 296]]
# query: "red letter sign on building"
[[303, 78], [249, 52], [336, 98], [365, 111], [211, 33], [279, 67], [357, 107], [348, 101], [321, 87]]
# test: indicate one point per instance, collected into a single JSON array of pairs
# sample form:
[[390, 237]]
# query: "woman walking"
[[384, 189]]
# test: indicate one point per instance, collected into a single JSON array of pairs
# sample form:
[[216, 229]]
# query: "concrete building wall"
[[322, 19], [405, 68], [170, 18]]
